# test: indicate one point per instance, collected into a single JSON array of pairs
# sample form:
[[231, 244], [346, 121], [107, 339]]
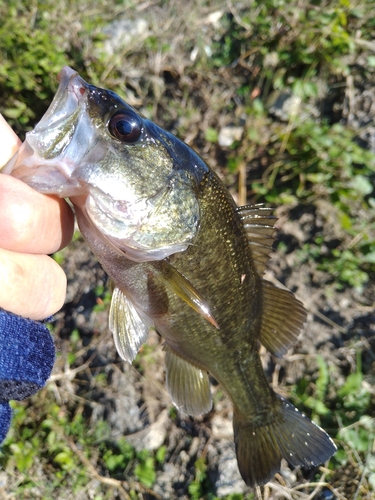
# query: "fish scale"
[[183, 258]]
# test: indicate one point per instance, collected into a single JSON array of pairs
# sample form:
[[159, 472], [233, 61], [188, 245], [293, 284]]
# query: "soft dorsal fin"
[[188, 386], [282, 318], [129, 330], [258, 223], [186, 291]]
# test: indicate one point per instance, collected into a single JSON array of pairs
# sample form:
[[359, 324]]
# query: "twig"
[[258, 493], [279, 488], [319, 485], [242, 191], [93, 473], [326, 319], [70, 374], [237, 17], [364, 43], [357, 238]]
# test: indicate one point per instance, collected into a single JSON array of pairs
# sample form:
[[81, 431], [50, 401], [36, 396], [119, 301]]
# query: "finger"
[[9, 142], [30, 221], [33, 286]]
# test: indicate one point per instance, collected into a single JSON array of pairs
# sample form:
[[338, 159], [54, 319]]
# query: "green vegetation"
[[56, 443], [292, 76], [346, 409]]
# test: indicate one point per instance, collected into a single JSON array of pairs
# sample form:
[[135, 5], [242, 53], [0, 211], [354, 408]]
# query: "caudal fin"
[[291, 436]]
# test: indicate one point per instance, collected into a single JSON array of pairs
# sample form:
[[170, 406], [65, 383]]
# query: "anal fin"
[[282, 318], [188, 386], [129, 330]]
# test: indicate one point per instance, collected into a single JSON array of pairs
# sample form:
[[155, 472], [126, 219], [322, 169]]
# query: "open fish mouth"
[[58, 124], [70, 78], [47, 158]]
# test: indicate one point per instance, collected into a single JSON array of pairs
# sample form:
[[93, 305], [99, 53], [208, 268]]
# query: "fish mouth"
[[57, 126], [60, 140], [70, 78], [71, 92]]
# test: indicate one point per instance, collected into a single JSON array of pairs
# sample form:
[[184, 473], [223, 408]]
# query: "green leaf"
[[160, 454], [371, 480], [345, 221], [65, 459], [195, 490], [211, 135], [362, 185], [146, 472], [359, 439], [323, 379], [370, 257], [316, 405], [352, 385], [114, 461]]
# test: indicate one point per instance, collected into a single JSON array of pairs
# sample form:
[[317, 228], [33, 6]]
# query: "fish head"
[[133, 180]]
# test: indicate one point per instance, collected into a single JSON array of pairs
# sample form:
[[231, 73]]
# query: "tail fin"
[[291, 436]]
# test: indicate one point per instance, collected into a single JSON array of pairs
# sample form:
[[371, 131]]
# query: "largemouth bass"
[[184, 259]]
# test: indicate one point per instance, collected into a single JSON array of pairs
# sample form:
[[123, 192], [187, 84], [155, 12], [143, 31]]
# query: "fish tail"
[[291, 435]]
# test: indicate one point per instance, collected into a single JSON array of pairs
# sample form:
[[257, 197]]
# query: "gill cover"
[[116, 166]]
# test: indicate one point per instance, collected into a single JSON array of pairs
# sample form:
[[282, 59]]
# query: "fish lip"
[[65, 74], [70, 80], [65, 109], [49, 141], [71, 91]]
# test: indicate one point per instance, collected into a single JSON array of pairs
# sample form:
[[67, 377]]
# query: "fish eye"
[[125, 126]]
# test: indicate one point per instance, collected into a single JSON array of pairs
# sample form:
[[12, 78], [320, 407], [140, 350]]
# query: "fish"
[[183, 258]]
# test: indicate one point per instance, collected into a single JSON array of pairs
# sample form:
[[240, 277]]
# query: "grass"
[[195, 68]]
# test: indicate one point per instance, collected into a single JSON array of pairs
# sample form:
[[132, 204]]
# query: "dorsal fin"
[[282, 318], [188, 386], [258, 223]]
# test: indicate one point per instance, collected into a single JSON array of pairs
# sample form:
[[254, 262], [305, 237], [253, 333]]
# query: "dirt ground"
[[340, 327]]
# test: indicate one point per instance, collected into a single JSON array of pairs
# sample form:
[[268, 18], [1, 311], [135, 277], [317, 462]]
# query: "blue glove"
[[27, 354]]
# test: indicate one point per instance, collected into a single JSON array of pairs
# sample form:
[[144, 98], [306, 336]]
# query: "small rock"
[[288, 475], [165, 481], [271, 60], [229, 479], [285, 105], [123, 32], [229, 134], [222, 427], [3, 480], [214, 18], [152, 437]]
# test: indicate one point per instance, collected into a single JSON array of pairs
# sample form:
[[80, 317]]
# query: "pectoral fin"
[[128, 328], [186, 291], [187, 385], [282, 318]]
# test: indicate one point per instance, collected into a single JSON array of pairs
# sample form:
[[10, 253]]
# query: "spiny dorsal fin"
[[186, 291], [188, 386], [129, 330], [282, 318], [258, 223]]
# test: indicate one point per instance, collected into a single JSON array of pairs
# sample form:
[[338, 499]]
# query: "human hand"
[[32, 225]]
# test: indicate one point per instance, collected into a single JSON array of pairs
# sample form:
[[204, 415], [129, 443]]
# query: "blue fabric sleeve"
[[27, 355]]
